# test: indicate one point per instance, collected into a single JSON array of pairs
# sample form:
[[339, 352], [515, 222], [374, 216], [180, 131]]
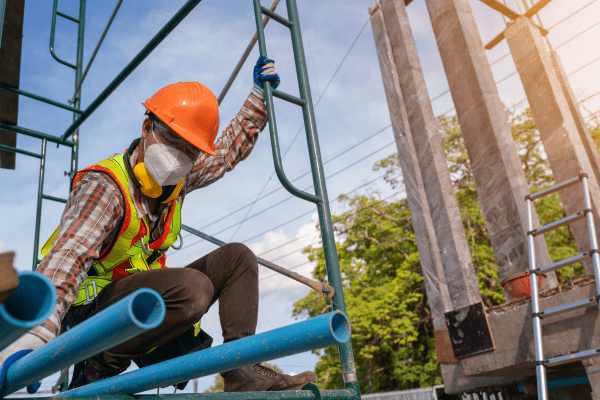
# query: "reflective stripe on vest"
[[126, 256]]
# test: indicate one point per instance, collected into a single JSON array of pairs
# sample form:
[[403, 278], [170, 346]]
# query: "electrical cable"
[[298, 177], [269, 208], [318, 242], [314, 106], [308, 234], [331, 202]]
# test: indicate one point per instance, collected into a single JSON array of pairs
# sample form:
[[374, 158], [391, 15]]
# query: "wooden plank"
[[9, 279], [10, 69], [536, 8], [496, 5]]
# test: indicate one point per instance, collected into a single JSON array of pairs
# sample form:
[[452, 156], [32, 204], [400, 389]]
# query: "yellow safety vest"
[[126, 255]]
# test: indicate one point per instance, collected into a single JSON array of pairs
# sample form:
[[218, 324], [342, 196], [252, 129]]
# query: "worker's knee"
[[245, 258], [198, 291]]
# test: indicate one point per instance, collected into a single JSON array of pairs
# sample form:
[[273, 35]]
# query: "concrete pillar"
[[435, 284], [452, 241], [431, 264], [10, 70], [582, 129], [501, 183], [554, 119], [592, 369]]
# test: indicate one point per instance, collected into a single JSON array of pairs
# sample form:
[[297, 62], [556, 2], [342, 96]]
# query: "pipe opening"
[[32, 301], [340, 327], [148, 308]]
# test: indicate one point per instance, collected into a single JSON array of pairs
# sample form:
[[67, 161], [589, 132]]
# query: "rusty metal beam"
[[501, 8], [536, 8]]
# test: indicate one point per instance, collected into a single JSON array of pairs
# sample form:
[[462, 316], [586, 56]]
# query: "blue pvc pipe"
[[29, 305], [563, 382], [142, 310], [315, 333]]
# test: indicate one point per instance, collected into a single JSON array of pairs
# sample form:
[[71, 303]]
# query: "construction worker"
[[124, 212]]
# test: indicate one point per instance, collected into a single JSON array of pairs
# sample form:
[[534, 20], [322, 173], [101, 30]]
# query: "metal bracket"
[[350, 377], [94, 286]]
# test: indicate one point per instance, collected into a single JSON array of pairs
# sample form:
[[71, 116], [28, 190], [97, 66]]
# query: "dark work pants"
[[228, 274]]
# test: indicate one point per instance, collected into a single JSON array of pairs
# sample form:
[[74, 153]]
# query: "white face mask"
[[166, 164]]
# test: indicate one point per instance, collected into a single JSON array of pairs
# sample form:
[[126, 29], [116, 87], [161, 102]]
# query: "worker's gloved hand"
[[20, 348], [264, 71]]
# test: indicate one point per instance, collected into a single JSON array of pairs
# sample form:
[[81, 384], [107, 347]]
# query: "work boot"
[[91, 372], [258, 378]]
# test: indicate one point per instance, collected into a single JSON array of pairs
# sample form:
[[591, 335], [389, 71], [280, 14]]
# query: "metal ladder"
[[320, 198], [540, 362]]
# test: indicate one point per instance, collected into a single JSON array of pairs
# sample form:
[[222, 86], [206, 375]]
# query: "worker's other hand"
[[264, 71], [20, 348]]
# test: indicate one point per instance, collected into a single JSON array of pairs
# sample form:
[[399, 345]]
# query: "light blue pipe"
[[142, 310], [322, 331], [29, 305]]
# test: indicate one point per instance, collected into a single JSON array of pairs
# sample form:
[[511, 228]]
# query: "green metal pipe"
[[291, 395], [137, 60], [57, 199], [38, 216], [276, 17], [35, 134], [40, 98], [15, 150], [2, 8], [243, 59], [67, 17], [325, 221], [272, 123], [77, 96], [288, 97], [52, 34]]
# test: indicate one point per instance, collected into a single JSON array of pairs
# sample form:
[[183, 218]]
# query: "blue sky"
[[205, 47]]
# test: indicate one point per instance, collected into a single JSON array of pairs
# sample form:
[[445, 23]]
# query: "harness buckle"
[[94, 286]]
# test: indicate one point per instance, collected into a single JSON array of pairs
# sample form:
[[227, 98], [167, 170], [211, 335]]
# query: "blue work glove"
[[20, 348], [264, 70]]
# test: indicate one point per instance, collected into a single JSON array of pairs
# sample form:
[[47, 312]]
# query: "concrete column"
[[10, 69], [454, 379], [452, 241], [592, 369], [431, 263], [582, 129], [501, 183], [554, 119]]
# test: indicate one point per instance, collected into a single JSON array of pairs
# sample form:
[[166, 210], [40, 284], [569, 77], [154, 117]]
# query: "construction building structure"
[[476, 351]]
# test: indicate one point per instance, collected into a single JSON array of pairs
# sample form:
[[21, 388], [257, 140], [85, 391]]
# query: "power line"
[[298, 177], [298, 217], [570, 15], [315, 105], [308, 234], [576, 36], [319, 241], [269, 208]]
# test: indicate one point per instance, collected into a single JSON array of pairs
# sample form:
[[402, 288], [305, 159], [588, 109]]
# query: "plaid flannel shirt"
[[95, 208]]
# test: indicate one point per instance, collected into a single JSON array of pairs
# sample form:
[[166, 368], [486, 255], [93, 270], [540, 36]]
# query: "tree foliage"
[[392, 331]]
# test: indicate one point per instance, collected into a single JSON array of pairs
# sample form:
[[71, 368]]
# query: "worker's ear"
[[146, 127]]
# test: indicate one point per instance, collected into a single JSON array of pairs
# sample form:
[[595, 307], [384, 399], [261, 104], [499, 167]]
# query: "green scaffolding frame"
[[70, 138]]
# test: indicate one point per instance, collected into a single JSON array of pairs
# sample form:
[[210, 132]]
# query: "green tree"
[[392, 332], [219, 384]]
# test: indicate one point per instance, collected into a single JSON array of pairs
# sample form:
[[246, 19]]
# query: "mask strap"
[[127, 160]]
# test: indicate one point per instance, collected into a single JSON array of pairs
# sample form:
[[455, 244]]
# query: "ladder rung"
[[555, 188], [67, 17], [557, 224], [276, 17], [289, 98], [562, 263], [582, 355], [569, 307], [45, 196]]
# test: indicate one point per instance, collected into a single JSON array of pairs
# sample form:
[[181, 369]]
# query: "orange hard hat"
[[191, 110]]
